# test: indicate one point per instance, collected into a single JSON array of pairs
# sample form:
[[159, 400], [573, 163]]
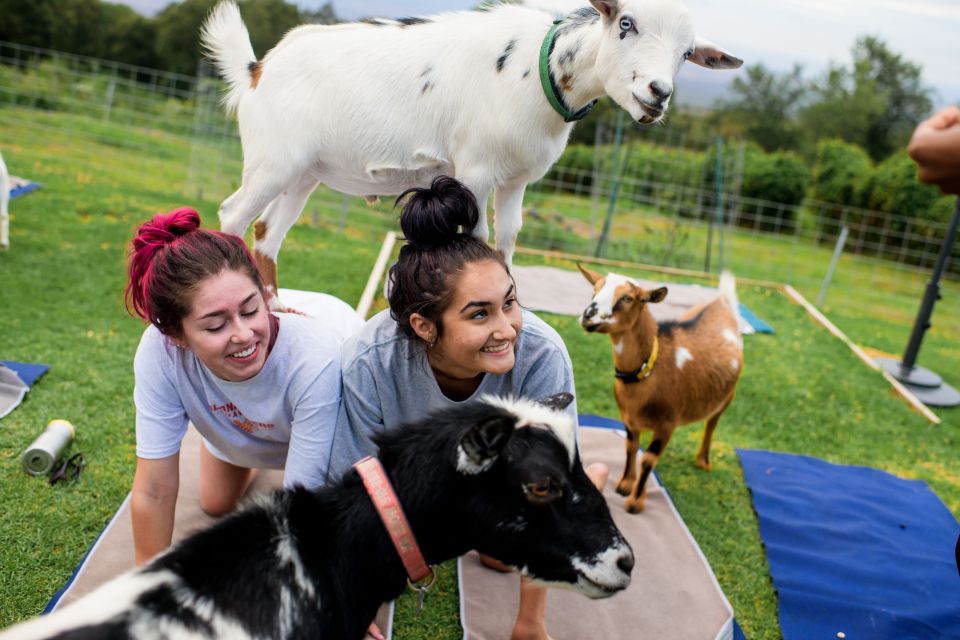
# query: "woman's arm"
[[311, 434], [935, 147], [359, 419], [153, 503]]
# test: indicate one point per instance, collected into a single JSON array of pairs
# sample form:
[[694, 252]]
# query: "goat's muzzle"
[[652, 109], [610, 574], [587, 318]]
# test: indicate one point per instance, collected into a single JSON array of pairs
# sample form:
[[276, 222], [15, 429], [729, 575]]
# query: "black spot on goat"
[[502, 60]]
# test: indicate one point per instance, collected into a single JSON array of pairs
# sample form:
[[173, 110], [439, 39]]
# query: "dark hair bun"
[[437, 215]]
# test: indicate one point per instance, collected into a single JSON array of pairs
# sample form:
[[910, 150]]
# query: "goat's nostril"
[[660, 90], [625, 563]]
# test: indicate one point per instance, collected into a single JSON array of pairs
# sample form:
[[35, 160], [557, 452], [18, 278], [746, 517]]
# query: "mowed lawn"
[[61, 304]]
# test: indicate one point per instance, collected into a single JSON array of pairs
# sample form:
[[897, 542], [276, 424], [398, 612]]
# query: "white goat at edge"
[[374, 108], [4, 203]]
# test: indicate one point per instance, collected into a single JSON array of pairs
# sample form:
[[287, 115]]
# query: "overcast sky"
[[774, 32]]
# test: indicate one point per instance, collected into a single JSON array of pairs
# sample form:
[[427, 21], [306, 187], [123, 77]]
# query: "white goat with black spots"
[[374, 108]]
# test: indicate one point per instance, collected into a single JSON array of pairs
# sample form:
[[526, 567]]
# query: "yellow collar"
[[645, 369]]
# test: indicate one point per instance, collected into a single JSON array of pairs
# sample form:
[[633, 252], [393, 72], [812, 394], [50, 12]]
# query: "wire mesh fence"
[[665, 195]]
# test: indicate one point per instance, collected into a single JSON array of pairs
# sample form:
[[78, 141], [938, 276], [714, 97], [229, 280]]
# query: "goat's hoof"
[[624, 487], [703, 464], [634, 506]]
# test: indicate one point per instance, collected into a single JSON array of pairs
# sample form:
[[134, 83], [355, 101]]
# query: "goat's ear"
[[607, 8], [657, 295], [483, 443], [558, 401], [592, 276], [706, 54]]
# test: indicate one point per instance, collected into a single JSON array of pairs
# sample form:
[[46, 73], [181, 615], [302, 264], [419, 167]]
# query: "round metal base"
[[916, 377], [942, 396], [928, 387]]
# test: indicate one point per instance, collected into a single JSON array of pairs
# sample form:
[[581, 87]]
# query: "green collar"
[[550, 86]]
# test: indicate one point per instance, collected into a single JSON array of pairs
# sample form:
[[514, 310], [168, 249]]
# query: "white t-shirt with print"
[[282, 418]]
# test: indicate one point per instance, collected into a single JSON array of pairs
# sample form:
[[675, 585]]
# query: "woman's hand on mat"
[[598, 474], [935, 147], [374, 632]]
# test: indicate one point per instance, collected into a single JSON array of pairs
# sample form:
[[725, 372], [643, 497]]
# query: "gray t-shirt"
[[387, 382], [282, 418]]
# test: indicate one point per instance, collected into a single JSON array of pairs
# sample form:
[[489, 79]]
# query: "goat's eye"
[[626, 24], [542, 492], [687, 54]]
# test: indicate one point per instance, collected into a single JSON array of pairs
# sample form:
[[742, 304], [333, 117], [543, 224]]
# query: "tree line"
[[167, 41]]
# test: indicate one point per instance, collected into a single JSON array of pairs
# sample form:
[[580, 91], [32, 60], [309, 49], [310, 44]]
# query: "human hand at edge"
[[935, 147]]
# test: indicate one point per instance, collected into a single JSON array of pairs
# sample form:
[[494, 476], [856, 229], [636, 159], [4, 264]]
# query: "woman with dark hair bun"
[[263, 390], [454, 332]]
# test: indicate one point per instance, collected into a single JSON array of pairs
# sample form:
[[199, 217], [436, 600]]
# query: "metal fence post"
[[718, 214], [837, 252]]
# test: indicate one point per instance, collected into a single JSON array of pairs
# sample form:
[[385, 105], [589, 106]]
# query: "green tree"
[[764, 105], [900, 82], [876, 103], [178, 29], [76, 27], [129, 37], [178, 35], [840, 172], [28, 22], [267, 22]]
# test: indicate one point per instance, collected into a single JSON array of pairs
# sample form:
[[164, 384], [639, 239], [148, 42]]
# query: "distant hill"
[[699, 87]]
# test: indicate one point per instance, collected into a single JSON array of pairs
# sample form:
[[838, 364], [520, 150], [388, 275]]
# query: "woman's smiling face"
[[228, 327], [480, 325]]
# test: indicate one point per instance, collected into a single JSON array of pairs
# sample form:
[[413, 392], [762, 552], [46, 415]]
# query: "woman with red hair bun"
[[263, 390]]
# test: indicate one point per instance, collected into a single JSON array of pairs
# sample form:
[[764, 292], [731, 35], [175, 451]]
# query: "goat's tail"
[[728, 291], [227, 42]]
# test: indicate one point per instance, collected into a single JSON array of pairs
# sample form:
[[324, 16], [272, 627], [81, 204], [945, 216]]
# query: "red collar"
[[391, 513]]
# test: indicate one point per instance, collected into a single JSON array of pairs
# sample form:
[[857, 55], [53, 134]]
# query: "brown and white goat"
[[669, 373]]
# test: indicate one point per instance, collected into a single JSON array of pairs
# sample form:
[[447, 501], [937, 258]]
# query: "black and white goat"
[[487, 97], [499, 476]]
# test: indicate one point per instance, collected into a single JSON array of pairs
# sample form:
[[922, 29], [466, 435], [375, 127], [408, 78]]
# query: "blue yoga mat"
[[27, 372], [754, 321], [23, 189], [854, 550]]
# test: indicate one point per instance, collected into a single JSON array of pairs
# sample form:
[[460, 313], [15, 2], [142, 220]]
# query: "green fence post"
[[615, 189], [718, 183]]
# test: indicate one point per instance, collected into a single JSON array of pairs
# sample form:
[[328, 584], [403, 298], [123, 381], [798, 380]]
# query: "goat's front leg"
[[270, 230], [629, 477], [658, 444], [508, 217], [480, 186]]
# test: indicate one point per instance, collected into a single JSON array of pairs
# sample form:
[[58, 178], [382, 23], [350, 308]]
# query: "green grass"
[[61, 304]]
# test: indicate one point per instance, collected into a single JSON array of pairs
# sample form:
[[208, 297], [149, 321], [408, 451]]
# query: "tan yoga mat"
[[112, 553], [568, 293], [673, 594]]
